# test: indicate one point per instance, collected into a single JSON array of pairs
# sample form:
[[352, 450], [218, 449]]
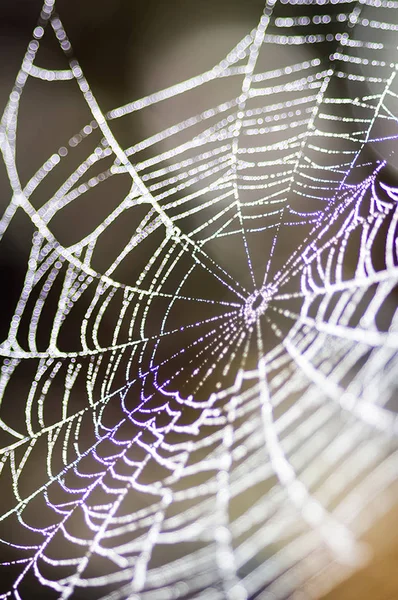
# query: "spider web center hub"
[[257, 303]]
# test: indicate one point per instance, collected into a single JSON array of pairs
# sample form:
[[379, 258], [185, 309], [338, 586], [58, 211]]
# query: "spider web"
[[233, 433]]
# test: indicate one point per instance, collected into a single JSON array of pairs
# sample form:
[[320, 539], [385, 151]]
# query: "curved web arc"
[[19, 199], [323, 216], [121, 155], [295, 265], [286, 379], [373, 415], [319, 379], [340, 540], [246, 86]]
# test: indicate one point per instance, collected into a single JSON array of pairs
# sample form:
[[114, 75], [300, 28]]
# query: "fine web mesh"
[[211, 411]]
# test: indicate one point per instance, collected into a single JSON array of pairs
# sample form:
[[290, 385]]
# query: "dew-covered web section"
[[198, 383]]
